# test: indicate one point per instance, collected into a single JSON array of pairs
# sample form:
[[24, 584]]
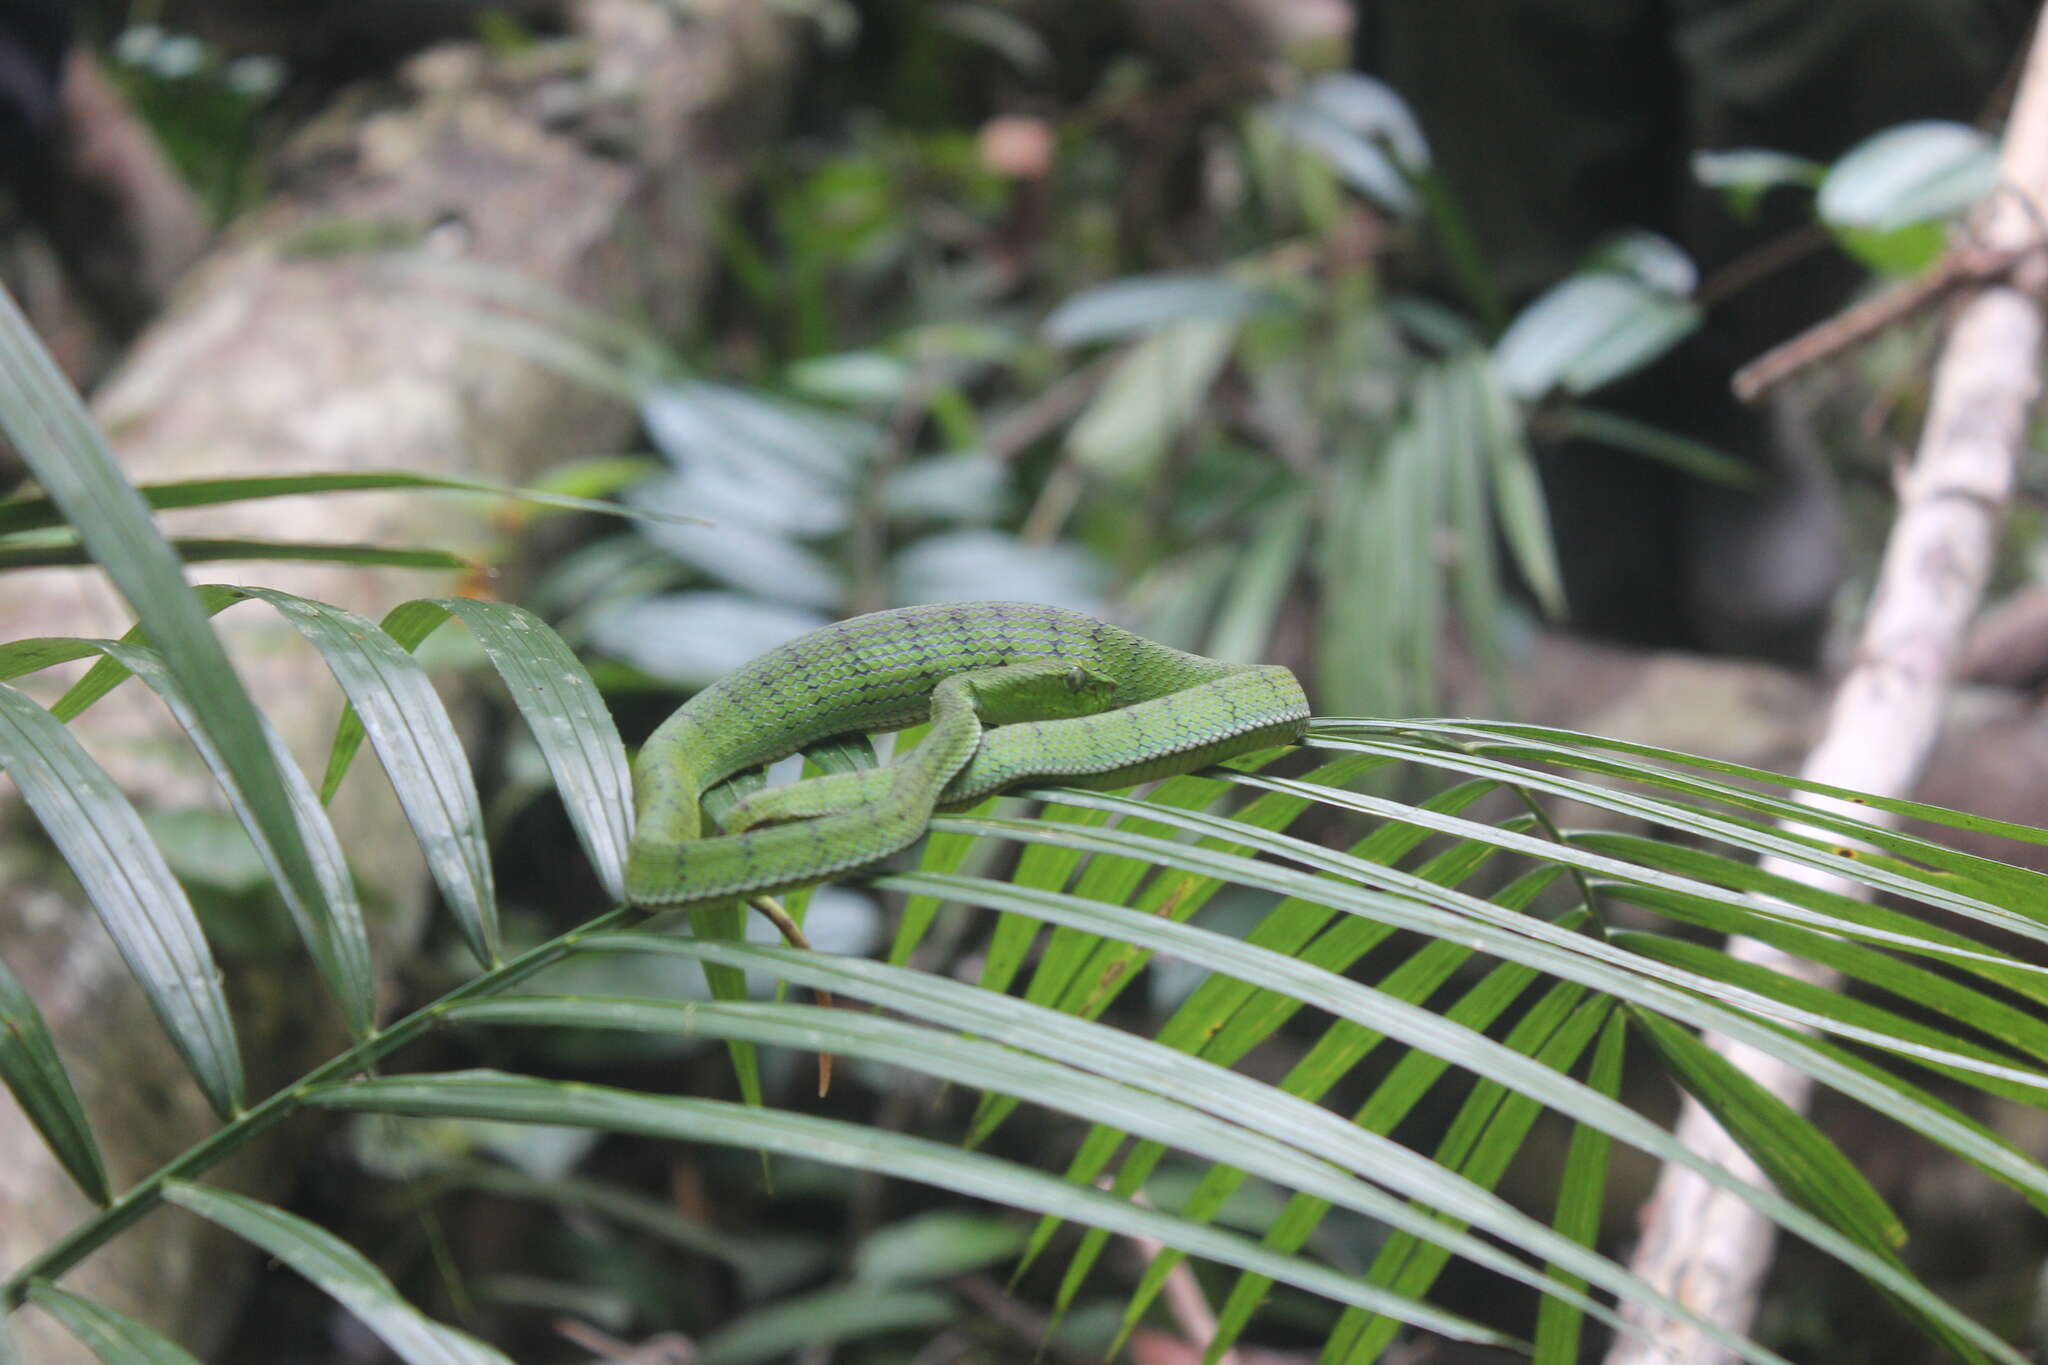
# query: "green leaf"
[[35, 512], [338, 1270], [932, 1246], [1225, 1019], [766, 1264], [1648, 258], [54, 436], [1406, 1084], [519, 1099], [1421, 1029], [1572, 747], [1744, 174], [1581, 1193], [114, 1337], [1489, 1129], [1588, 330], [1922, 989], [561, 706], [332, 929], [1334, 1057], [1788, 1148], [1154, 392], [1264, 573], [825, 1319], [1139, 305], [411, 731], [941, 853], [1946, 892], [1909, 174], [202, 550], [31, 1068], [1669, 447], [130, 886], [1180, 1081]]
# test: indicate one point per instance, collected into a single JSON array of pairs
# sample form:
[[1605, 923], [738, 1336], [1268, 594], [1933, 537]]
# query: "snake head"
[[1088, 692]]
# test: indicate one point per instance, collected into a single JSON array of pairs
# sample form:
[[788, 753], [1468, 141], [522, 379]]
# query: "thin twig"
[[1959, 268]]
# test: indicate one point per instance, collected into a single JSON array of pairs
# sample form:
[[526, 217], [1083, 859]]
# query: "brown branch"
[[1961, 267]]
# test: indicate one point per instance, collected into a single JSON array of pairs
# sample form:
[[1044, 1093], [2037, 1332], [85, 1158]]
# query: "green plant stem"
[[95, 1232]]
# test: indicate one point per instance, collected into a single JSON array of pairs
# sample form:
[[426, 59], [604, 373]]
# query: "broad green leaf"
[[52, 433], [824, 1319], [1909, 174], [1469, 457], [1581, 1194], [694, 420], [340, 1271], [1418, 1028], [1364, 130], [114, 1337], [1587, 330], [35, 512], [31, 1068], [1155, 390], [125, 877], [519, 1099], [1137, 305]]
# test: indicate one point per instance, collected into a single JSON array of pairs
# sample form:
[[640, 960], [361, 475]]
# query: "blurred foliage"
[[205, 106]]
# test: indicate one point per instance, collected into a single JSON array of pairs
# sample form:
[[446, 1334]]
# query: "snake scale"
[[1014, 692]]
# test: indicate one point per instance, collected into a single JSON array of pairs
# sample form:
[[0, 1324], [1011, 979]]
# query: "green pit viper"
[[1014, 693]]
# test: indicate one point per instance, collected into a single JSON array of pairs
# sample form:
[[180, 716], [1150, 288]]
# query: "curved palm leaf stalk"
[[1886, 712]]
